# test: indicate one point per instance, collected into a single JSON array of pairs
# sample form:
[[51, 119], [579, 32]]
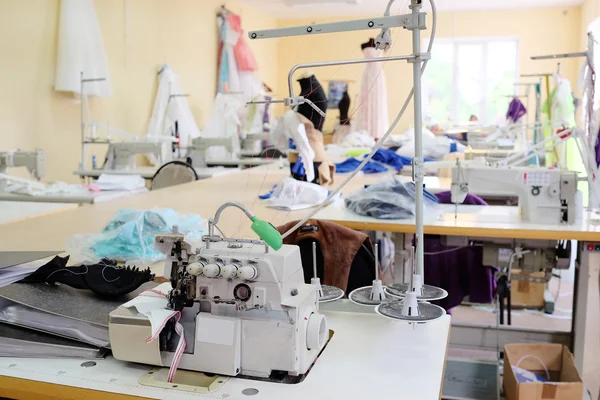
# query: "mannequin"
[[372, 115], [344, 127], [313, 91]]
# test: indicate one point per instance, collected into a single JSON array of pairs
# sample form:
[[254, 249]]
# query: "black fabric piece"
[[313, 91], [362, 271], [344, 107], [370, 43], [105, 279]]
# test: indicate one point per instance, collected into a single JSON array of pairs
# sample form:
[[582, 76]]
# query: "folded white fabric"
[[291, 194], [120, 182]]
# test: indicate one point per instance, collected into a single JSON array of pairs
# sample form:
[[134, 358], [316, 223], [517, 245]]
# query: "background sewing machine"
[[245, 309], [34, 161], [123, 155], [546, 196]]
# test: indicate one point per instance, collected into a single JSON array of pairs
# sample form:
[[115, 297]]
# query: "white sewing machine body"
[[245, 311], [122, 155], [34, 161], [546, 196]]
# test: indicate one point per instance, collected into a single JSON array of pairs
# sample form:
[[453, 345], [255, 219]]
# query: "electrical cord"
[[378, 145]]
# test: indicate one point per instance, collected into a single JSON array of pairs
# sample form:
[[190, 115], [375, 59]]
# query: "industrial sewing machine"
[[122, 155], [546, 196], [34, 161], [245, 307]]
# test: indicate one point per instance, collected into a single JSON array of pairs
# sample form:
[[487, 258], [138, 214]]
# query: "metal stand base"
[[430, 293], [330, 293], [427, 312]]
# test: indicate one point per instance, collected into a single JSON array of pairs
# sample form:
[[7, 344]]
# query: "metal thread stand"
[[82, 82]]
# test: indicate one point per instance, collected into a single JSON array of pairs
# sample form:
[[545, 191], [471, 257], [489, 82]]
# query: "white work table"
[[85, 198], [368, 357], [148, 172], [11, 211]]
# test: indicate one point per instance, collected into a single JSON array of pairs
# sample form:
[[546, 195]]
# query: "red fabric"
[[243, 54]]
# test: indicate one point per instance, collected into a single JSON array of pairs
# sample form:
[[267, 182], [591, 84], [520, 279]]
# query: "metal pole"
[[345, 62], [376, 261], [418, 160], [81, 165], [314, 254]]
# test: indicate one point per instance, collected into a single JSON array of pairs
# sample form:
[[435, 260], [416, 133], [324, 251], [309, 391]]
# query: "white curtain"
[[80, 49], [167, 111]]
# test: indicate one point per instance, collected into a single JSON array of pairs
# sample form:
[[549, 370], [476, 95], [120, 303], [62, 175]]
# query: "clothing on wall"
[[312, 90], [516, 110], [80, 49], [169, 110], [372, 112]]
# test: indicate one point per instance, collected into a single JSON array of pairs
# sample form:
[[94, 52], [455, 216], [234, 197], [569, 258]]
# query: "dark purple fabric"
[[471, 200], [597, 148], [516, 110], [459, 272]]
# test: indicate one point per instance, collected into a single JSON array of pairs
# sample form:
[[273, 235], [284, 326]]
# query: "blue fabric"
[[130, 233], [453, 147], [291, 144], [390, 158], [352, 164], [268, 195], [298, 168]]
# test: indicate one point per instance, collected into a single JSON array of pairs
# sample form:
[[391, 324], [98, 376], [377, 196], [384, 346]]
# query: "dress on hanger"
[[313, 91], [372, 113]]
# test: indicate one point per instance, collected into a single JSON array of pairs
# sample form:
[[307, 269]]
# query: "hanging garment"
[[80, 49], [169, 110], [289, 127], [243, 54], [229, 78], [372, 108], [312, 90], [516, 110], [562, 105], [347, 267], [458, 271], [315, 139], [224, 122]]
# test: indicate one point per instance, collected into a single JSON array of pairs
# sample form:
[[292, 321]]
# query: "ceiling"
[[328, 8]]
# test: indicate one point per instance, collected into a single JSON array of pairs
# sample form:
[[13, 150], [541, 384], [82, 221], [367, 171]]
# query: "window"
[[468, 77]]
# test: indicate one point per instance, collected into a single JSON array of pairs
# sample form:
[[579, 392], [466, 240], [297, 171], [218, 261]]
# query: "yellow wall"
[[541, 31], [182, 33], [590, 10]]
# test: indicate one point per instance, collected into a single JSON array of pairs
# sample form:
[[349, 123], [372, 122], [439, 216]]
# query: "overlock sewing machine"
[[245, 308], [546, 196], [34, 161]]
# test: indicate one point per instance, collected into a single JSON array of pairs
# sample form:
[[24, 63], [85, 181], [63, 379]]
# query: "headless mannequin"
[[344, 107], [313, 91]]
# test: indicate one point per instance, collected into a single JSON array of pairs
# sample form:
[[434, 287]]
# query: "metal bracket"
[[418, 170], [405, 21]]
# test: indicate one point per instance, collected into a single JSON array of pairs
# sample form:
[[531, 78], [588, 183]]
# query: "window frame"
[[475, 40]]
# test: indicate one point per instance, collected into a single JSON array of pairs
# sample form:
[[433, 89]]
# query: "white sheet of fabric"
[[358, 139], [372, 113], [289, 126], [252, 90], [80, 49], [230, 40], [165, 112], [291, 194], [435, 147], [561, 110], [30, 187], [224, 122]]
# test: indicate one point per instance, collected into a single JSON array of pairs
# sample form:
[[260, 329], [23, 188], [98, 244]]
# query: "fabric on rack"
[[169, 110], [372, 108], [347, 267], [312, 90], [516, 110], [80, 49], [229, 77], [289, 127], [352, 164], [459, 271], [561, 104], [315, 139]]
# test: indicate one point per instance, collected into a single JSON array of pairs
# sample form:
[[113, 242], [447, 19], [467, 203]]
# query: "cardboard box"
[[566, 383]]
